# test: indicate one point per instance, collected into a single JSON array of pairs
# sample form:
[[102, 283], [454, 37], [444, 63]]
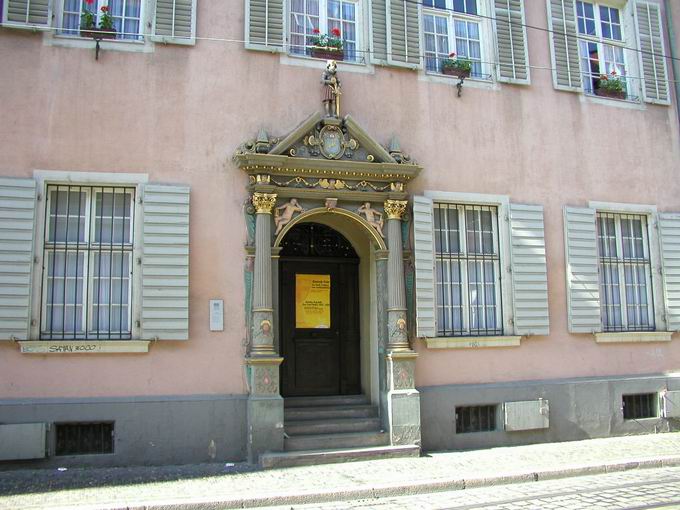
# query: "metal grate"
[[627, 299], [475, 419], [84, 438], [641, 405], [467, 260], [87, 263]]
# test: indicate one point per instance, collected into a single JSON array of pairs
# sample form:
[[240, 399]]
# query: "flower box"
[[616, 94], [98, 33], [455, 71], [327, 53]]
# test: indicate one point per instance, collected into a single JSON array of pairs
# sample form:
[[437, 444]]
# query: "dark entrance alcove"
[[318, 271]]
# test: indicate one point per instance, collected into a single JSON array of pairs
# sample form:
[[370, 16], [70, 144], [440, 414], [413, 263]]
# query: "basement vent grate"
[[84, 438], [641, 405], [475, 419]]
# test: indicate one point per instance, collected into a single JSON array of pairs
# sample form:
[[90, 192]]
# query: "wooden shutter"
[[529, 270], [669, 234], [403, 33], [27, 13], [423, 237], [264, 25], [583, 286], [165, 263], [175, 22], [17, 227], [378, 21], [511, 41], [652, 53], [564, 45]]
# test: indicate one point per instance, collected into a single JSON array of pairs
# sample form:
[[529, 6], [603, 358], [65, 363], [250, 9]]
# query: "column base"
[[265, 407], [403, 400]]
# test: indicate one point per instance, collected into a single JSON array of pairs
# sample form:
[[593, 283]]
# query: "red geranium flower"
[[316, 31], [89, 2], [105, 8], [335, 31], [452, 54], [613, 72]]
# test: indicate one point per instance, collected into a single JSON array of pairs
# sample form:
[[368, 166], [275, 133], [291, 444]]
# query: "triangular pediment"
[[327, 138]]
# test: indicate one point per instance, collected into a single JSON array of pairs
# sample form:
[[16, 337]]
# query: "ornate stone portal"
[[327, 166]]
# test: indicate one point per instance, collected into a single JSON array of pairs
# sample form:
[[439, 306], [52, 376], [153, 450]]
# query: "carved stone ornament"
[[331, 141], [395, 209], [284, 214], [264, 202]]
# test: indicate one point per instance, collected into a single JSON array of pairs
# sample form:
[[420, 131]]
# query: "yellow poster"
[[313, 301]]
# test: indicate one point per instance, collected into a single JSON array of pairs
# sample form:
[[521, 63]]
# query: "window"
[[309, 18], [625, 272], [126, 14], [84, 438], [453, 26], [601, 45], [642, 405], [467, 261], [475, 419], [87, 254]]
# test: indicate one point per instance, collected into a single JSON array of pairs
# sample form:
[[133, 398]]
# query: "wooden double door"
[[319, 321]]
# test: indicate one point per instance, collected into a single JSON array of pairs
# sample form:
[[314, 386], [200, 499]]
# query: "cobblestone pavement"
[[237, 486], [629, 490]]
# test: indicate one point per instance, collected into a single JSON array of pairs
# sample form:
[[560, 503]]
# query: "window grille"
[[627, 301], [87, 263], [475, 419], [643, 405], [84, 438], [468, 288]]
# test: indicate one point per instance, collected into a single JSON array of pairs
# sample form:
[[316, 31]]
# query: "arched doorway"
[[319, 313]]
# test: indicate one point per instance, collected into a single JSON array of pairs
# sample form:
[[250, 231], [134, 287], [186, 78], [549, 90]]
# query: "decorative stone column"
[[403, 401], [265, 405]]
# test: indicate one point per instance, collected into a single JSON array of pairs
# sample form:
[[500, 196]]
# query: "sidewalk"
[[240, 486]]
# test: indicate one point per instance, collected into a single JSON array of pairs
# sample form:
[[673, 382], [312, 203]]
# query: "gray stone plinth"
[[403, 400]]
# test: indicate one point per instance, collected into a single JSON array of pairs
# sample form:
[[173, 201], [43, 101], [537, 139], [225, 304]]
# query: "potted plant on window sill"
[[327, 46], [88, 25], [456, 66], [611, 85]]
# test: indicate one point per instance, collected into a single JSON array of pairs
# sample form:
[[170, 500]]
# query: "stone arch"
[[319, 213]]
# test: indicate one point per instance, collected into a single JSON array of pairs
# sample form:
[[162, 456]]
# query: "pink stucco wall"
[[178, 114]]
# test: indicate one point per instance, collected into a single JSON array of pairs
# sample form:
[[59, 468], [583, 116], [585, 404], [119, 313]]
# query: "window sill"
[[307, 61], [612, 101], [475, 342], [72, 41], [471, 82], [83, 346], [633, 337]]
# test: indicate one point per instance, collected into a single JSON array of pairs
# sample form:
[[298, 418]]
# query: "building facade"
[[234, 229]]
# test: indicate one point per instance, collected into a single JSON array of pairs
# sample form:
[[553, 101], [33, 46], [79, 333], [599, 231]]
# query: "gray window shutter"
[[669, 233], [511, 41], [529, 270], [264, 25], [378, 20], [27, 13], [564, 45], [403, 33], [17, 227], [652, 59], [175, 22], [583, 286], [423, 237], [165, 263]]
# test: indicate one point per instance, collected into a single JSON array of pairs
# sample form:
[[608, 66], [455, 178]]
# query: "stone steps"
[[330, 412], [339, 400], [330, 456], [335, 441], [335, 426]]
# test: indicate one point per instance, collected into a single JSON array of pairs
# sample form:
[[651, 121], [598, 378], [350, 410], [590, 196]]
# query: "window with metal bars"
[[468, 281], [641, 405], [84, 438], [87, 263], [626, 295], [475, 419]]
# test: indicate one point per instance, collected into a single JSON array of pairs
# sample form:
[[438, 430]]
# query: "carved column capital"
[[264, 202], [395, 209]]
